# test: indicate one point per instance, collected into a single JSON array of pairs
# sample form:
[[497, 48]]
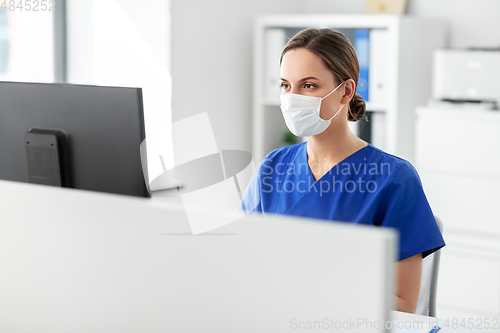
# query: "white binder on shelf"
[[378, 67]]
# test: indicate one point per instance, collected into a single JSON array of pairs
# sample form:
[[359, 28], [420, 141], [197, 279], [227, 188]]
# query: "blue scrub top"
[[368, 187]]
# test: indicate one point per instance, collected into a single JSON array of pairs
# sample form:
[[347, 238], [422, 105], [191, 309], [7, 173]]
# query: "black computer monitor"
[[77, 136]]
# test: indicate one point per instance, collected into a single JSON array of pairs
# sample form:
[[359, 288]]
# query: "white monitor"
[[77, 261]]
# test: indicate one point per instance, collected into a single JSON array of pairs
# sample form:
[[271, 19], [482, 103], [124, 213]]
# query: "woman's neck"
[[333, 145]]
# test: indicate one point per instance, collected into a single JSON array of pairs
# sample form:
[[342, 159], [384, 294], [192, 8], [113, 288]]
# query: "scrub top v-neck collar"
[[309, 172]]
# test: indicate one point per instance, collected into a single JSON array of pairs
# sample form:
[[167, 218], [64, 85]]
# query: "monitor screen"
[[78, 136]]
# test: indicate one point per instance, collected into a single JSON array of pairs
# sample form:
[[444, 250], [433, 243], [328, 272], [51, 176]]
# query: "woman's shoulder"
[[282, 153], [279, 157], [400, 168]]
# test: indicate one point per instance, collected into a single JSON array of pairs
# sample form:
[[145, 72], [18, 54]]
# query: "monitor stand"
[[46, 154]]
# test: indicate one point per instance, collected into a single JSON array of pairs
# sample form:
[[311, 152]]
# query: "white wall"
[[212, 51], [212, 63]]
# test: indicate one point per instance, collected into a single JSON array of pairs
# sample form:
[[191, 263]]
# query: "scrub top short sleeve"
[[251, 201], [405, 207]]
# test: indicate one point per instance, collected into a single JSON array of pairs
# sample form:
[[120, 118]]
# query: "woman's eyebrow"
[[304, 79]]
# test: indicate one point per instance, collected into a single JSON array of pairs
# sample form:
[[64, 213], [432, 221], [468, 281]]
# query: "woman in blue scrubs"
[[335, 175]]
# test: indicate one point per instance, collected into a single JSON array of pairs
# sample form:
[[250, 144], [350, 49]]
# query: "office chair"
[[428, 285]]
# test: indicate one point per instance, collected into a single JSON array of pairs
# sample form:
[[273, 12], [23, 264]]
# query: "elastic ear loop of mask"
[[341, 83], [331, 92], [337, 112]]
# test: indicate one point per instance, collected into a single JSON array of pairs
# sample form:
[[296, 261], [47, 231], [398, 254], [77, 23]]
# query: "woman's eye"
[[308, 86], [284, 85]]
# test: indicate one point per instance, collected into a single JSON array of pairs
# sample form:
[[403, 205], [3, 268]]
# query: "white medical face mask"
[[301, 113]]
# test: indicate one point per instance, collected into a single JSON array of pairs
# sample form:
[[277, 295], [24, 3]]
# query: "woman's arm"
[[409, 273]]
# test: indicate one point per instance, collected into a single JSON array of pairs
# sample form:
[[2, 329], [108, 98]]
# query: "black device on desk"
[[77, 136]]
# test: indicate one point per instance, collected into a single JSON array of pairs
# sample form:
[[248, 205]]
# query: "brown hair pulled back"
[[338, 55]]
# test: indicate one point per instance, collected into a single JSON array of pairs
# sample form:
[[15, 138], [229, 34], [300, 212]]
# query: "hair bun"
[[357, 108]]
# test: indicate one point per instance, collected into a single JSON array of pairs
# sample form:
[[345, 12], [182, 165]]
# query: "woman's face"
[[304, 73]]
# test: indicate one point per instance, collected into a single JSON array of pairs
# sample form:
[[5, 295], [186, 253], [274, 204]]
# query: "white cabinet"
[[403, 46], [469, 279], [457, 157]]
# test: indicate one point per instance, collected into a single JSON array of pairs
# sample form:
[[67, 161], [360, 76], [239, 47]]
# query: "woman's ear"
[[349, 91]]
